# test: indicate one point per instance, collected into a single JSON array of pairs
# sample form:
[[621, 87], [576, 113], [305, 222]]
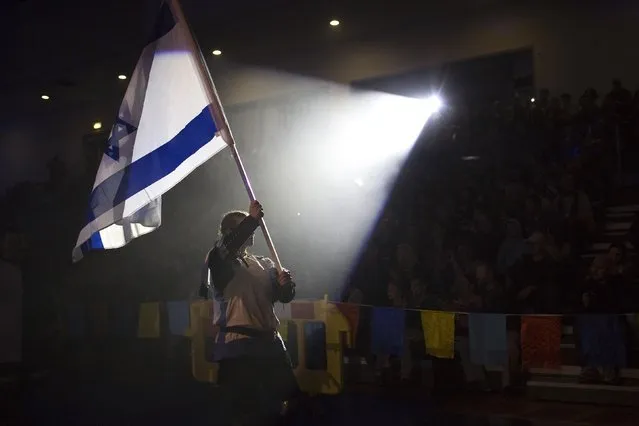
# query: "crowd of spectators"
[[510, 229], [509, 235]]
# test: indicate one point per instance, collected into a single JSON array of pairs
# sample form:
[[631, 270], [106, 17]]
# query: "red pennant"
[[540, 342]]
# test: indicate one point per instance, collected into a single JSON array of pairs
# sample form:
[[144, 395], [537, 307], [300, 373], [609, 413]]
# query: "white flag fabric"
[[164, 130]]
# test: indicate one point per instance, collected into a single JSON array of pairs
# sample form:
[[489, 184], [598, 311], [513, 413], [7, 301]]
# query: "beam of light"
[[45, 97], [351, 151], [217, 52], [532, 100], [379, 127], [122, 77], [334, 23]]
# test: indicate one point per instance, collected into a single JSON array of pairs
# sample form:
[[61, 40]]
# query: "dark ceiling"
[[73, 49]]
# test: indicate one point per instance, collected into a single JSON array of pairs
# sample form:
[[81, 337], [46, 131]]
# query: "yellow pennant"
[[149, 320], [439, 333]]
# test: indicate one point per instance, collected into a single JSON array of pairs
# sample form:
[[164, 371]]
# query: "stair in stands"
[[617, 223]]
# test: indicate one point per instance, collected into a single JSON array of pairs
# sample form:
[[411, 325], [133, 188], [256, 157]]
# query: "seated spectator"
[[406, 263], [558, 246], [490, 289], [621, 263], [395, 292], [512, 247], [421, 297], [533, 219], [602, 288], [567, 108], [485, 239], [367, 282], [618, 102], [534, 288], [588, 108], [355, 296], [465, 295], [575, 207]]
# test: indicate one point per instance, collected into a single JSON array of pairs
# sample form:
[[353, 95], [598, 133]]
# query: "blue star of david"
[[120, 130]]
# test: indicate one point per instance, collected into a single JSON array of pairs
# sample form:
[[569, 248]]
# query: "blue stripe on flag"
[[164, 23], [95, 241], [154, 166]]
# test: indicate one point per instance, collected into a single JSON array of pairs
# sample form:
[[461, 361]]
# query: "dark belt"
[[250, 332]]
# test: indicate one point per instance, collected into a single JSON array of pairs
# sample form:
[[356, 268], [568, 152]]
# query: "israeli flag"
[[164, 130]]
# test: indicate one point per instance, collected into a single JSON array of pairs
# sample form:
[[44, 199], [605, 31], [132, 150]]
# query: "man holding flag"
[[169, 123], [255, 371]]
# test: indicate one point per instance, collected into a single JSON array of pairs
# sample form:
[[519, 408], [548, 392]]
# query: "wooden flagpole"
[[222, 123]]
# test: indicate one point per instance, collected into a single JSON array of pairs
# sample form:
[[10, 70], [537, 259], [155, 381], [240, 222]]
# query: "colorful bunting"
[[601, 337], [487, 339], [439, 333], [387, 331], [149, 320], [540, 341]]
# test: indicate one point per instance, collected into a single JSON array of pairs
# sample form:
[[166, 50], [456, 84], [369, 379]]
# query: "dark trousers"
[[255, 388]]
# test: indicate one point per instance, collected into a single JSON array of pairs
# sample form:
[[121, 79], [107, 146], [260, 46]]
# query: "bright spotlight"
[[45, 97], [532, 100], [334, 23], [433, 104], [122, 77], [217, 52], [97, 125]]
